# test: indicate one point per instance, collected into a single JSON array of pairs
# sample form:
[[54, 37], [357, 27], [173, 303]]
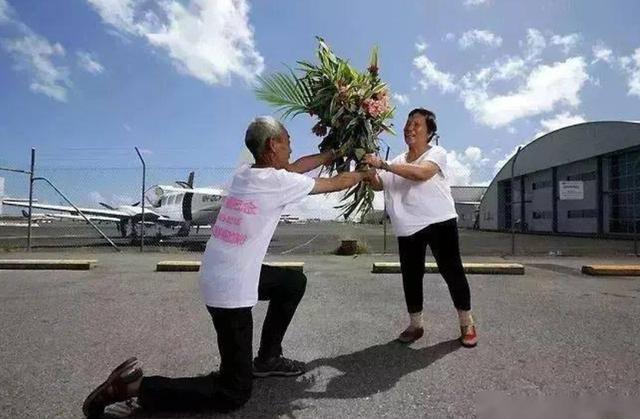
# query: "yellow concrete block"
[[178, 266], [611, 270], [48, 264], [469, 268], [194, 266]]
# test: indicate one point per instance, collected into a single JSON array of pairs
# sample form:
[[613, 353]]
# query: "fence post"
[[144, 174], [513, 224], [636, 205], [384, 213], [33, 160]]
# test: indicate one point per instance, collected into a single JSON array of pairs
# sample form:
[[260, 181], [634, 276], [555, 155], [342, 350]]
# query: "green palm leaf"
[[286, 92]]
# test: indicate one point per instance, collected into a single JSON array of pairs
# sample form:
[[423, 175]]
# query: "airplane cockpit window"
[[171, 200], [211, 198]]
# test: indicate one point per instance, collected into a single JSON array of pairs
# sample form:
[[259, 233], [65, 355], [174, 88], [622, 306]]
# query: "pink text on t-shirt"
[[235, 204], [228, 236]]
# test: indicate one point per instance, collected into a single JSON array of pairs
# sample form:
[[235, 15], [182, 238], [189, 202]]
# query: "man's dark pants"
[[230, 387]]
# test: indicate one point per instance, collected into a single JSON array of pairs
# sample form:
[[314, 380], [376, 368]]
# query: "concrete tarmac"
[[545, 339]]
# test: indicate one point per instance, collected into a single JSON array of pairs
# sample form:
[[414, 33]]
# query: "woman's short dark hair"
[[429, 117]]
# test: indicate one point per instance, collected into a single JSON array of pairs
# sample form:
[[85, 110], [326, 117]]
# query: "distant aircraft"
[[169, 206]]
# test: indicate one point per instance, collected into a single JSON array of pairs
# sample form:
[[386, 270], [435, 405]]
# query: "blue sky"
[[84, 81]]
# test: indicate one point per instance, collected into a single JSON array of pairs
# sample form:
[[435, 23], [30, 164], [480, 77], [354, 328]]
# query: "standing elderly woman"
[[421, 208]]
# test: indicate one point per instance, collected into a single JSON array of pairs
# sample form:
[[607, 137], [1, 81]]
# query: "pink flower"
[[375, 106]]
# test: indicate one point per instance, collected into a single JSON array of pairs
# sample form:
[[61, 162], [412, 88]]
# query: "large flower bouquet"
[[352, 109]]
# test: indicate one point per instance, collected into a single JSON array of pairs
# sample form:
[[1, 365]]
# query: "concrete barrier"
[[178, 266], [469, 268], [47, 264], [194, 266], [611, 270]]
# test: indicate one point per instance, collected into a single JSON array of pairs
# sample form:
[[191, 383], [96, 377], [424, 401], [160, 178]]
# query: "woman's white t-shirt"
[[414, 205], [240, 237]]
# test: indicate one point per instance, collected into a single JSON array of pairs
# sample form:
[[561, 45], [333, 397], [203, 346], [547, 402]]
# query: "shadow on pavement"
[[356, 375]]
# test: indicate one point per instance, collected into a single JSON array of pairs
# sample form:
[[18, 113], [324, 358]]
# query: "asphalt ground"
[[311, 239], [546, 339]]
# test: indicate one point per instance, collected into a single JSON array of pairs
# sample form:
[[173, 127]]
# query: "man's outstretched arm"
[[308, 163], [339, 182]]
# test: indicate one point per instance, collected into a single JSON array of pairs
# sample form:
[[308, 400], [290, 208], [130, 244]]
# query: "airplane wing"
[[80, 218], [71, 210]]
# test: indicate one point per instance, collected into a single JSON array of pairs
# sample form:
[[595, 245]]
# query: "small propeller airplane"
[[169, 206]]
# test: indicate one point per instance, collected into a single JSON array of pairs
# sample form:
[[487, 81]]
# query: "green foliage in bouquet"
[[352, 108]]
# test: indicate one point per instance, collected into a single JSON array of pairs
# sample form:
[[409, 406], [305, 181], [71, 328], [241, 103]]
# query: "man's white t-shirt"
[[414, 205], [240, 237]]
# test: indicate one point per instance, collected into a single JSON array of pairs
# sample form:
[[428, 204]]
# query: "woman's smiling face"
[[415, 130]]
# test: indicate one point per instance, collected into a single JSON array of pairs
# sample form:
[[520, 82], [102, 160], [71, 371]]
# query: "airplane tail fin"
[[190, 179], [189, 183]]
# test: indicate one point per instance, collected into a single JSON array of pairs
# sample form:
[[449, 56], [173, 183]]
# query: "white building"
[[578, 180]]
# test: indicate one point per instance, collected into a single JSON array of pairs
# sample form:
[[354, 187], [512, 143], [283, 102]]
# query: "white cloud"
[[430, 75], [567, 42], [96, 198], [117, 13], [449, 37], [468, 168], [500, 163], [5, 11], [460, 172], [510, 68], [475, 36], [89, 63], [324, 206], [536, 43], [631, 66], [473, 154], [401, 99], [475, 2], [316, 206], [421, 46], [210, 40], [561, 120], [35, 55], [539, 88], [546, 87], [601, 53]]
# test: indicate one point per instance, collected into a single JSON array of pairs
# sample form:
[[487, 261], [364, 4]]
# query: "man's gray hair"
[[259, 131]]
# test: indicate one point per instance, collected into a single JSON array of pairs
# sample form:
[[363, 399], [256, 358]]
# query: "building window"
[[588, 213], [583, 176], [624, 187], [541, 185], [542, 215]]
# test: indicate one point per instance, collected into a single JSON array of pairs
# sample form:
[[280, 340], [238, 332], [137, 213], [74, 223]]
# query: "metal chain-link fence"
[[312, 226]]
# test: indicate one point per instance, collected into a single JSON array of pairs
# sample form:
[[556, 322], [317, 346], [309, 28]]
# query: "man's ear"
[[269, 145]]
